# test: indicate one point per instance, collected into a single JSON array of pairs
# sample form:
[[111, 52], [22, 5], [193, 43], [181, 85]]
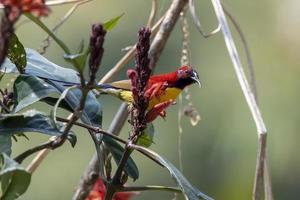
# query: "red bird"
[[162, 89]]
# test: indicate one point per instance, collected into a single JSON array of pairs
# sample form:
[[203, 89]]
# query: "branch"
[[94, 129], [152, 13], [247, 52], [55, 2], [20, 158], [164, 31], [250, 98], [150, 187]]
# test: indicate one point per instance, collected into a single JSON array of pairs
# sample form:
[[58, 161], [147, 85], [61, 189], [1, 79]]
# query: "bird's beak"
[[195, 77]]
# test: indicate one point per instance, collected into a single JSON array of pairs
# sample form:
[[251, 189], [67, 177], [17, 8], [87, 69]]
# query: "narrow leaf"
[[117, 152], [30, 89], [146, 139], [235, 59], [39, 66], [109, 25], [29, 121]]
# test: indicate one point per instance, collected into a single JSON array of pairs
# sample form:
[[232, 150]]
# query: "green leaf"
[[109, 25], [29, 121], [72, 138], [30, 89], [190, 192], [16, 53], [52, 101], [146, 139], [5, 144], [58, 77], [117, 152], [39, 66], [14, 178]]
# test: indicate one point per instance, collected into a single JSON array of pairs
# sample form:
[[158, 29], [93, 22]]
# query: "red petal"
[[157, 110]]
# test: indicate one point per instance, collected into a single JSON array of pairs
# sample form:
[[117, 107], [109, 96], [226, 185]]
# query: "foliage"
[[40, 80], [14, 179]]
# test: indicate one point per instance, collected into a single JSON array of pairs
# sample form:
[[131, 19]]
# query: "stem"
[[37, 160], [20, 158], [150, 187], [259, 172], [251, 101], [87, 181], [121, 166], [94, 129]]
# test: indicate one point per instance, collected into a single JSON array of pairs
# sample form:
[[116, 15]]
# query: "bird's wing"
[[123, 84]]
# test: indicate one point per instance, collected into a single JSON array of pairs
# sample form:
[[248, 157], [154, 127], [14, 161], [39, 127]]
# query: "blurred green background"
[[219, 154]]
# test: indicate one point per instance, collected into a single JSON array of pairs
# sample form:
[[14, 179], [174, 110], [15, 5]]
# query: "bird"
[[161, 90]]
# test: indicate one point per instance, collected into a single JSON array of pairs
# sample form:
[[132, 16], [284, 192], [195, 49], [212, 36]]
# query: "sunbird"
[[161, 90]]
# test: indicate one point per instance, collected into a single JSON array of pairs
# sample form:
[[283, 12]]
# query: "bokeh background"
[[219, 154]]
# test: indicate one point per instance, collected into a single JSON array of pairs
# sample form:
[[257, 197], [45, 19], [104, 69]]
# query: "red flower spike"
[[158, 110], [99, 190], [17, 7], [156, 90]]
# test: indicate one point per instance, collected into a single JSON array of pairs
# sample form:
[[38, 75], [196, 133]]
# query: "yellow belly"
[[169, 94]]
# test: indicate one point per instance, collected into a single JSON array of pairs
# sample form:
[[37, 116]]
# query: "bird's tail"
[[124, 95], [103, 88]]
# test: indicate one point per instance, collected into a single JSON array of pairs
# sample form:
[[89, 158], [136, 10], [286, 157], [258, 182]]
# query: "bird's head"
[[186, 76]]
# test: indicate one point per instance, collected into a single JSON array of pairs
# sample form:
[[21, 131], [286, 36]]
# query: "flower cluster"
[[96, 49], [139, 80], [99, 190], [17, 7]]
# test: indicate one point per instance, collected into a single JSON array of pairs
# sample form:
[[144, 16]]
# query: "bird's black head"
[[186, 76]]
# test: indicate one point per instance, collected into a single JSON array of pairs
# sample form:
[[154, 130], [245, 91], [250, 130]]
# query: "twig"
[[260, 125], [33, 150], [259, 122], [152, 13], [247, 52], [150, 187], [267, 177], [165, 29], [87, 180], [94, 129], [53, 144], [38, 159], [95, 59], [55, 2], [198, 24]]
